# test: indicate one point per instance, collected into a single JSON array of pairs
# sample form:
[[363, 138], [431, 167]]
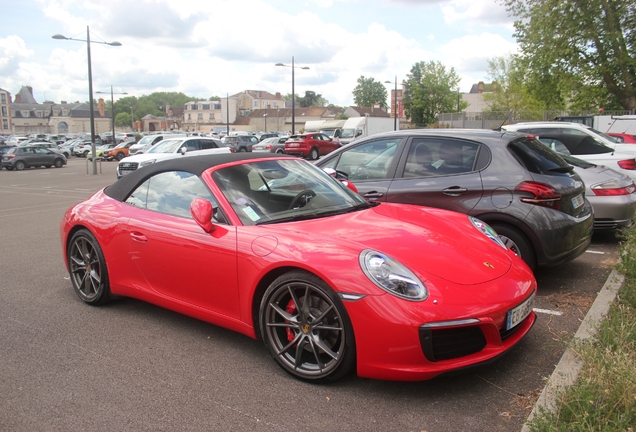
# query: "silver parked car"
[[612, 194], [521, 188], [271, 145]]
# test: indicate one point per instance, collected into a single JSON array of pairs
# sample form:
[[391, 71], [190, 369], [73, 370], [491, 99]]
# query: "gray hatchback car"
[[524, 190], [19, 158]]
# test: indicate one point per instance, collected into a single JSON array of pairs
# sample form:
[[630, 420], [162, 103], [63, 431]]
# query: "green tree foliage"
[[510, 93], [430, 90], [582, 52], [154, 104], [312, 99], [123, 120], [369, 92]]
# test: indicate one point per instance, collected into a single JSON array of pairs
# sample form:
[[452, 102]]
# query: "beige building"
[[5, 112], [28, 116]]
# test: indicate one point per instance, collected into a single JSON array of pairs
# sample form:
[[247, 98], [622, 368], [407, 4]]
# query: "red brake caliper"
[[291, 309]]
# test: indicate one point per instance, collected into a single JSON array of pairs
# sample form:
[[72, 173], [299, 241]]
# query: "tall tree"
[[430, 90], [369, 92], [311, 98], [510, 92], [584, 49]]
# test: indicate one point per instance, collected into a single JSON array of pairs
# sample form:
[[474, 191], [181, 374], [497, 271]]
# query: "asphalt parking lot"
[[132, 366]]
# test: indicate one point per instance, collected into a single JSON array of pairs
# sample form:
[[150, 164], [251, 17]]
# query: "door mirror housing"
[[201, 211]]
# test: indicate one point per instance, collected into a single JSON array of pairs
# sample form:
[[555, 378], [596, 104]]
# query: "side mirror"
[[183, 150], [201, 210]]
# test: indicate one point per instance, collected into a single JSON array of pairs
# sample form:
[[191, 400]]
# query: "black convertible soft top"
[[121, 189]]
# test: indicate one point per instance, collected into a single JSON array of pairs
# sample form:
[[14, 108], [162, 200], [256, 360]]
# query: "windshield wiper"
[[307, 216]]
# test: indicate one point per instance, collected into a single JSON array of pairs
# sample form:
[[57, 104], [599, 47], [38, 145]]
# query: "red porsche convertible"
[[272, 247]]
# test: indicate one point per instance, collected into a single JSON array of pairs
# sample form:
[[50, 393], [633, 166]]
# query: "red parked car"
[[274, 248], [310, 145], [623, 138]]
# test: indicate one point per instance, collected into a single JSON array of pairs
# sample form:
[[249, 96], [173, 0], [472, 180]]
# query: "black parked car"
[[31, 156], [520, 187]]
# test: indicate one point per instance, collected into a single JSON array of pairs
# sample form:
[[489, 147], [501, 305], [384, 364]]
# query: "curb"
[[568, 368]]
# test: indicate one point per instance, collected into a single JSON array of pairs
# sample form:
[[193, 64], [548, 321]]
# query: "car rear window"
[[538, 158]]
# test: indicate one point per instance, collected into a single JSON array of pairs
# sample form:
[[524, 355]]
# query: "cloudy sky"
[[205, 48]]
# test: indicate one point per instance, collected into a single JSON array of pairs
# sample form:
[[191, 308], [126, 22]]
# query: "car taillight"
[[612, 188], [628, 164], [542, 194], [231, 150], [268, 146], [10, 156]]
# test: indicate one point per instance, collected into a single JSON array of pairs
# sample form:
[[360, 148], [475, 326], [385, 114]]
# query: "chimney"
[[167, 107], [480, 87], [100, 107], [278, 96]]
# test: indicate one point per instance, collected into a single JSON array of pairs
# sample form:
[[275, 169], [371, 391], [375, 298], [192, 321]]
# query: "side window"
[[370, 160], [191, 145], [555, 145], [207, 144], [172, 193], [452, 156]]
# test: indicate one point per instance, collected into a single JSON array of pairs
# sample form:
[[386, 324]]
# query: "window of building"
[[25, 114], [5, 124], [189, 116], [4, 111], [211, 116], [3, 98], [200, 116]]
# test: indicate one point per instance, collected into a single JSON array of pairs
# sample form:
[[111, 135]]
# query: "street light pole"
[[90, 86], [394, 109], [132, 119], [112, 108], [293, 93]]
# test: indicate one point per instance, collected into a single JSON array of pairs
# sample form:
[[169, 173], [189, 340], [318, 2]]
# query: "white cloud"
[[477, 12]]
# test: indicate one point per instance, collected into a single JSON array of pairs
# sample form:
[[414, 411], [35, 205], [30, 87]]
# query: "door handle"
[[373, 195], [454, 191], [138, 237]]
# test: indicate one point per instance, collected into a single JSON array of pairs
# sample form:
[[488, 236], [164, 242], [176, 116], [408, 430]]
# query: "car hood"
[[428, 241]]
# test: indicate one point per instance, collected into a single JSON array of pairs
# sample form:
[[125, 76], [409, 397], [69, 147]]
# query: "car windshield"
[[167, 146], [284, 190], [122, 145], [147, 139], [347, 133]]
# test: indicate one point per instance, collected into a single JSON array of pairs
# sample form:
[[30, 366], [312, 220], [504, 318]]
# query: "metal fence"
[[494, 119]]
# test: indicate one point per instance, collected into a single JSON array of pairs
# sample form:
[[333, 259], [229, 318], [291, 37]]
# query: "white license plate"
[[518, 314], [577, 201]]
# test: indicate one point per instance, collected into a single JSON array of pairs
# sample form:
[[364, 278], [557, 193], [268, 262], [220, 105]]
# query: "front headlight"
[[392, 276], [148, 162], [486, 230]]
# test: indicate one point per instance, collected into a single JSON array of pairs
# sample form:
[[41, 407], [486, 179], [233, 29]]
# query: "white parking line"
[[547, 311], [595, 252]]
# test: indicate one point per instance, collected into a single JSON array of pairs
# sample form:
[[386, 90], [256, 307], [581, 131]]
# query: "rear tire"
[[313, 154], [517, 241], [119, 156], [19, 165], [87, 268]]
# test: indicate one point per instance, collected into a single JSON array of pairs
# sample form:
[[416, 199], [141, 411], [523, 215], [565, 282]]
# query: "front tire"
[[87, 268], [516, 241], [58, 163], [306, 328]]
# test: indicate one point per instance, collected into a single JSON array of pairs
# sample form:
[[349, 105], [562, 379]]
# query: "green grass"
[[604, 395]]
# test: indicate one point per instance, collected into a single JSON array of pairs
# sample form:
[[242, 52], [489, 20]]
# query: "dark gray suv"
[[524, 190]]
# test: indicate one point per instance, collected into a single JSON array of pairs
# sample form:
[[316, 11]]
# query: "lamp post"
[[132, 119], [227, 112], [265, 116], [112, 107], [293, 92], [90, 85], [394, 109]]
